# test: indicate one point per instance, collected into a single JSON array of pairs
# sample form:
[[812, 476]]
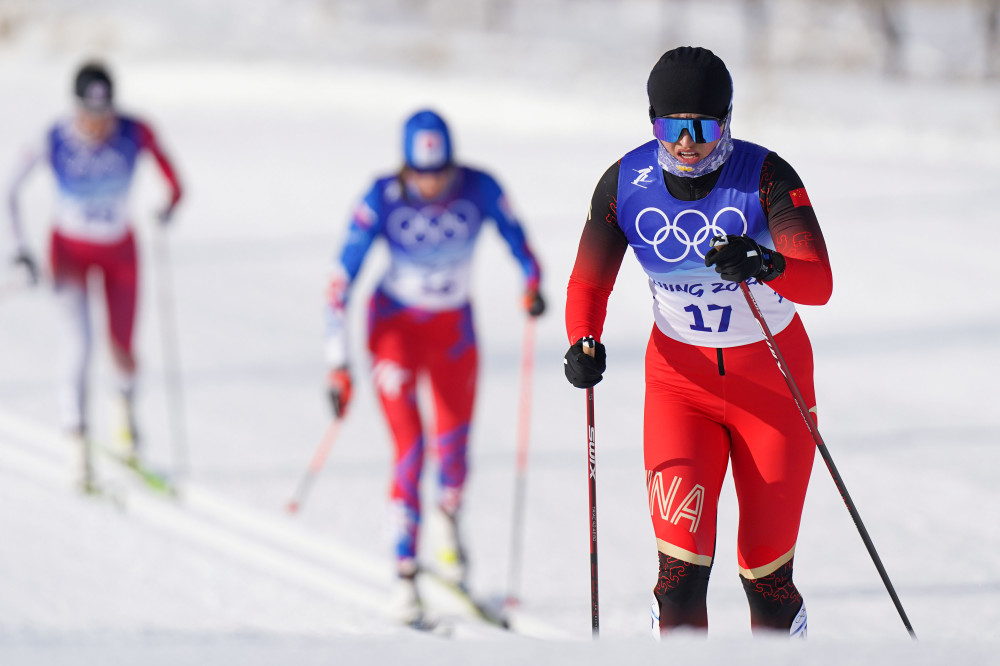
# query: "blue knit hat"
[[426, 142]]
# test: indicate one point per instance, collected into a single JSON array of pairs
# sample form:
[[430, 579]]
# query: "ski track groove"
[[243, 534]]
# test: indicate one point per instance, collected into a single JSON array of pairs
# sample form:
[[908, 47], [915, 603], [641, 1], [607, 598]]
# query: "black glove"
[[583, 370], [165, 215], [24, 259], [739, 258], [534, 304]]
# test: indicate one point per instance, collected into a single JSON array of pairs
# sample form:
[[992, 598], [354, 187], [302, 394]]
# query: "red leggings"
[[407, 344], [705, 407], [73, 260]]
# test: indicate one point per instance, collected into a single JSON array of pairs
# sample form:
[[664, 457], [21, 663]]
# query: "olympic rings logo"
[[677, 240], [433, 225]]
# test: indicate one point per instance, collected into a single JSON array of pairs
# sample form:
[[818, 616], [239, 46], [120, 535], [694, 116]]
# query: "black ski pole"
[[595, 609], [827, 458]]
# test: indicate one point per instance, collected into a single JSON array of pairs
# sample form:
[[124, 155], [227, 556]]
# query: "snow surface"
[[278, 121]]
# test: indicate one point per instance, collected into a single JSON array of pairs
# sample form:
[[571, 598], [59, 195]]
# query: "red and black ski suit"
[[714, 393]]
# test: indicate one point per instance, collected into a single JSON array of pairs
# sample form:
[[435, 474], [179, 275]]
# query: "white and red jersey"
[[93, 178]]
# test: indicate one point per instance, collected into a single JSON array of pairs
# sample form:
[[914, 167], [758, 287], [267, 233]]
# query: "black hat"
[[689, 80], [93, 87]]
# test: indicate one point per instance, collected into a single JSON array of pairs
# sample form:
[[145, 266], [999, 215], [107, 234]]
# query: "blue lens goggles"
[[702, 130]]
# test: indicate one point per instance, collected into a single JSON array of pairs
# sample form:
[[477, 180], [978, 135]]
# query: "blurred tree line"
[[890, 21], [899, 38]]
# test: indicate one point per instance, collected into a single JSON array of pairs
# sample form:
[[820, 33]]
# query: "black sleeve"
[[604, 205], [796, 233], [602, 246], [777, 180]]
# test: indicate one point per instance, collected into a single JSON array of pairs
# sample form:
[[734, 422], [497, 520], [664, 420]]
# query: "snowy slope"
[[275, 148]]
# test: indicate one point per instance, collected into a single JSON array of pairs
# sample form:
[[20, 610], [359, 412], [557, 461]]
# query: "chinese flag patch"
[[800, 197]]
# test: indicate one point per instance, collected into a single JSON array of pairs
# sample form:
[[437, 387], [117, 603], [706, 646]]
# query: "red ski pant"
[[705, 407], [407, 346], [72, 263]]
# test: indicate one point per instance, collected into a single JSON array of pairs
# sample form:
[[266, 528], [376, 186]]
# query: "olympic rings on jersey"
[[677, 241], [433, 226]]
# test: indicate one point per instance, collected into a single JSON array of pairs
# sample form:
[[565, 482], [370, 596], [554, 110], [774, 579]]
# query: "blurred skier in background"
[[93, 154], [420, 327], [702, 212]]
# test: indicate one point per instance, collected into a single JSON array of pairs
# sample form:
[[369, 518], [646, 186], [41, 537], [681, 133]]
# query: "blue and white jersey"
[[93, 178], [430, 242], [670, 238]]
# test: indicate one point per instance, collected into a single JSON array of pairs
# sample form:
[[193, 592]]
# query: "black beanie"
[[689, 80], [93, 87]]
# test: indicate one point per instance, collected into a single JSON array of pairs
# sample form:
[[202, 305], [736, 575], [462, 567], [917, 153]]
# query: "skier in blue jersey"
[[93, 154], [420, 326], [714, 398]]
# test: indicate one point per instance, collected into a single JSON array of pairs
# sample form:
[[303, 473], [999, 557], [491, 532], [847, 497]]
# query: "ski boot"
[[452, 563], [83, 465], [654, 620], [800, 624], [125, 441], [405, 605]]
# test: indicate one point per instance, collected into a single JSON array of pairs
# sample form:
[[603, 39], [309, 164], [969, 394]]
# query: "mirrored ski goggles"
[[702, 130]]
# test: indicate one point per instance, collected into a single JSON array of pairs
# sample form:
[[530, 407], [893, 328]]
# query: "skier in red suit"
[[94, 154], [703, 212], [421, 329]]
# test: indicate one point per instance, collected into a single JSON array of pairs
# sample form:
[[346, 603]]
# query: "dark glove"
[[24, 259], [339, 389], [534, 304], [164, 216], [739, 258], [582, 369]]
